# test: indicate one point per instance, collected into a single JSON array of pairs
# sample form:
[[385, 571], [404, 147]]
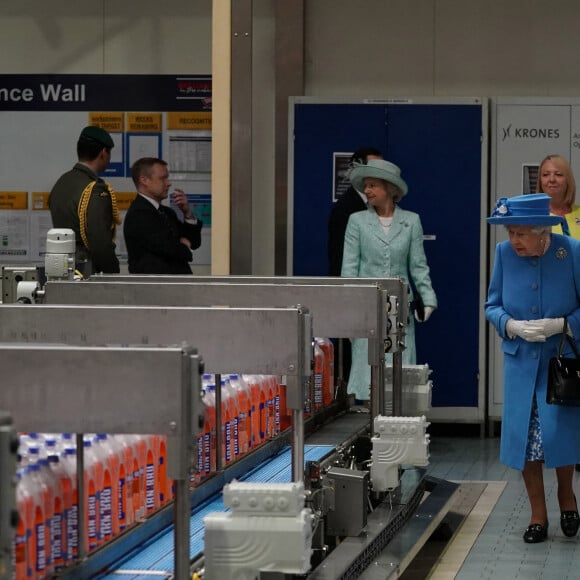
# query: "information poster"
[[163, 116]]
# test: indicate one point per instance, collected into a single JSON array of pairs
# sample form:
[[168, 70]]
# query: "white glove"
[[427, 311], [526, 329], [549, 326]]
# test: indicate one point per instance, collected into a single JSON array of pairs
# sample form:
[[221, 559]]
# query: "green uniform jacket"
[[63, 203]]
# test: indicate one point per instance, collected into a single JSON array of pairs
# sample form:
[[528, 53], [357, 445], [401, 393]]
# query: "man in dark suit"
[[158, 242], [350, 202]]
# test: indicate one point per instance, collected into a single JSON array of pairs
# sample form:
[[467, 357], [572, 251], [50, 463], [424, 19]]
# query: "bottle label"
[[56, 535], [150, 483], [228, 441], [73, 531], [235, 425], [92, 517], [106, 509], [277, 407], [40, 528], [122, 499], [318, 389], [263, 421], [206, 454]]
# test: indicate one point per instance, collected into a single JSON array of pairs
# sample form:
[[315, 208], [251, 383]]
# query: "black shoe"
[[570, 522], [536, 533], [577, 467]]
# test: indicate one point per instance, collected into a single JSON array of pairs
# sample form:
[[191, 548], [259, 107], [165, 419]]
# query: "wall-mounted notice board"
[[41, 116]]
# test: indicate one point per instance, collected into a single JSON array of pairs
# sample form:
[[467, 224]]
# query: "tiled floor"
[[498, 551]]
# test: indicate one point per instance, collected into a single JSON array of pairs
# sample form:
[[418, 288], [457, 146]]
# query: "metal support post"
[[219, 436], [190, 422], [397, 384], [8, 511]]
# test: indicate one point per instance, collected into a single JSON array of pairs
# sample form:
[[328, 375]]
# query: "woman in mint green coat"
[[384, 241]]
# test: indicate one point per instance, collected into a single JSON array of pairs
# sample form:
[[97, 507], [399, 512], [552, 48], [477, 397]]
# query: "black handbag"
[[418, 306], [564, 375]]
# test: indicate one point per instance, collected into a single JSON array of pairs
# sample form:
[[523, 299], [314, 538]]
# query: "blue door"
[[438, 147]]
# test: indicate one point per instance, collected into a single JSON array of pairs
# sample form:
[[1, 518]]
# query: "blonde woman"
[[555, 178]]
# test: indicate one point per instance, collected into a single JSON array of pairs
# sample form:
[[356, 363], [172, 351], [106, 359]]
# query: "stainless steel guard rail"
[[246, 340], [376, 309]]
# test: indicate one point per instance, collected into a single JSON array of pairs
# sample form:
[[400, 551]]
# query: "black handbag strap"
[[571, 341]]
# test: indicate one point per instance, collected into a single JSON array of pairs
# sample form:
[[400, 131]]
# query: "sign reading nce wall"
[[106, 92]]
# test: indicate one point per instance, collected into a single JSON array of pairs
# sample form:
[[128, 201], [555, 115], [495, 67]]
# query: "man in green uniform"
[[82, 201]]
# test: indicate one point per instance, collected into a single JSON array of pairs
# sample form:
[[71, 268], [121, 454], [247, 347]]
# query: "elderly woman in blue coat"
[[535, 284], [384, 241]]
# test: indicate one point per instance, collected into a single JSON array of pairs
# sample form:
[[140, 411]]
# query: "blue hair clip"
[[501, 208]]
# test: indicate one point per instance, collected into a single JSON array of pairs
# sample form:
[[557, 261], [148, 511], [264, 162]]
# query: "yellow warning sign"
[[112, 121], [144, 122], [39, 200], [13, 200], [189, 121]]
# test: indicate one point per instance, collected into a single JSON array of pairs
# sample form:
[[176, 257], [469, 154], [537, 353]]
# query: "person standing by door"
[[384, 241], [350, 202]]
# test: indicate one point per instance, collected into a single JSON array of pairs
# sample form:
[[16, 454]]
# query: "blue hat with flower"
[[524, 210]]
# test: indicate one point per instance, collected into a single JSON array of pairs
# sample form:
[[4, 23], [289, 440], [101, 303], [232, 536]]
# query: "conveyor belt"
[[155, 559]]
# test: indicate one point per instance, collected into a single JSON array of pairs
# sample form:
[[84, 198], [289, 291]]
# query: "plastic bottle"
[[285, 412], [69, 464], [327, 347], [57, 525], [93, 478], [61, 473], [164, 483], [141, 450], [270, 413], [210, 435], [234, 411], [206, 441], [257, 402], [244, 398], [40, 566], [119, 492], [276, 391], [22, 538], [126, 511], [265, 407], [46, 492], [206, 445], [148, 448], [139, 454], [109, 489], [226, 427]]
